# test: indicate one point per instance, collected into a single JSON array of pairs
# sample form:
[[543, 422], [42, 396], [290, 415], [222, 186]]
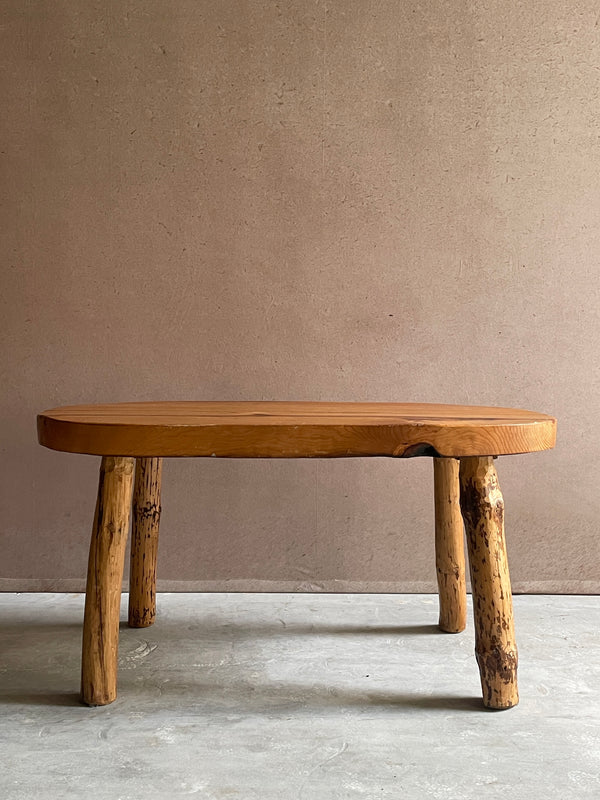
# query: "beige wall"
[[217, 199]]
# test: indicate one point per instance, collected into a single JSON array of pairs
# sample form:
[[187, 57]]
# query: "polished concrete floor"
[[303, 696]]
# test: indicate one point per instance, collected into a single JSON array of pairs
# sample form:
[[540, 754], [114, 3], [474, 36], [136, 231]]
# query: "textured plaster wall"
[[349, 200]]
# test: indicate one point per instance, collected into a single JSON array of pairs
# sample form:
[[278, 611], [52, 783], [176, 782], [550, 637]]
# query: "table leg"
[[495, 647], [449, 546], [104, 579], [144, 542]]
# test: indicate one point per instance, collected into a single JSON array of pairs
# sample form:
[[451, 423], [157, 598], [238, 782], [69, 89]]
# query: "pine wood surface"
[[283, 429]]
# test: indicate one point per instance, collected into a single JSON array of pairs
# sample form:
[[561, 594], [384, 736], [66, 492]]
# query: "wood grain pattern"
[[495, 647], [293, 430], [144, 542], [449, 546], [104, 579]]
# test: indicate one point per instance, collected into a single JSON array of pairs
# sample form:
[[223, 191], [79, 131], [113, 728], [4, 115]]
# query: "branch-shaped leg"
[[449, 546], [144, 542], [483, 511], [104, 579]]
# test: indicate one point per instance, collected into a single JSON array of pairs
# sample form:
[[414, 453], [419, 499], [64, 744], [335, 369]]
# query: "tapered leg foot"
[[449, 546], [104, 579], [144, 542], [483, 511]]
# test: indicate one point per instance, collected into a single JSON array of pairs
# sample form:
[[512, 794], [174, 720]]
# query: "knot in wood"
[[147, 511]]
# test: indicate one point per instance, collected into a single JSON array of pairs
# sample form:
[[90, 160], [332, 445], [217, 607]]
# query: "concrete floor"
[[301, 696]]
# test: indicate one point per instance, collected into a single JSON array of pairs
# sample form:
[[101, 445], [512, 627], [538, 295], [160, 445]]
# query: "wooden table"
[[133, 438]]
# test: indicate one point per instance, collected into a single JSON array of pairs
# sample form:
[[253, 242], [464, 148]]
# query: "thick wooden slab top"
[[293, 430]]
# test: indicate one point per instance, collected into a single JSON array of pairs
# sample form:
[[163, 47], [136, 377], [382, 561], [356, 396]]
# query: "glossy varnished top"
[[293, 429]]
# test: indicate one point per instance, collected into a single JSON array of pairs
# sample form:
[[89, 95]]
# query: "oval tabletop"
[[293, 429]]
